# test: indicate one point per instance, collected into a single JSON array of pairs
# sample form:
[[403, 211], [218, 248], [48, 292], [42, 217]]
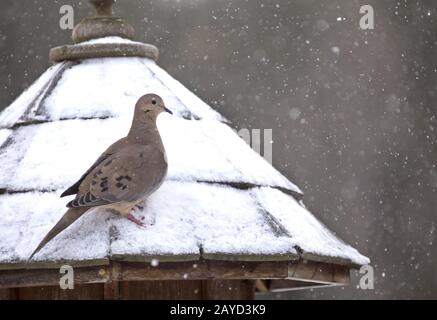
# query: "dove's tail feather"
[[69, 217]]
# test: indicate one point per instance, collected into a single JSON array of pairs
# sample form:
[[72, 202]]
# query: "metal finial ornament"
[[100, 25], [103, 7]]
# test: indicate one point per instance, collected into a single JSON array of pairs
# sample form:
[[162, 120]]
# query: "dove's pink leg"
[[135, 220]]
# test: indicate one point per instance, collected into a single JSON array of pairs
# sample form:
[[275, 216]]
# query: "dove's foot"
[[131, 217], [139, 213]]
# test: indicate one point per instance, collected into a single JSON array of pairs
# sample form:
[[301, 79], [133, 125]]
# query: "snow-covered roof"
[[221, 200]]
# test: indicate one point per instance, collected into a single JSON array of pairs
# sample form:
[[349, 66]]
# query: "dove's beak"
[[167, 110]]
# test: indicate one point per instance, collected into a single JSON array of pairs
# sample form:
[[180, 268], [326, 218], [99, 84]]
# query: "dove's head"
[[150, 106]]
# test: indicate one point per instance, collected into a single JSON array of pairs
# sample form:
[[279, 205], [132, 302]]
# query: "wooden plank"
[[111, 289], [169, 290], [8, 294], [53, 264], [92, 291], [5, 294], [248, 269], [311, 271], [249, 257], [292, 268], [341, 274], [204, 269], [334, 260], [304, 270], [161, 258], [131, 271], [138, 271], [310, 274], [320, 272], [228, 289], [281, 285], [45, 277], [324, 272]]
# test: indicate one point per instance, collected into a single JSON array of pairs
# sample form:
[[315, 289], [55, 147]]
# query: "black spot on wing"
[[98, 173], [75, 187], [120, 178]]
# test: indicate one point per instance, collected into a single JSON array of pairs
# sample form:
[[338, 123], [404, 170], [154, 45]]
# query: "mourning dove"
[[124, 175]]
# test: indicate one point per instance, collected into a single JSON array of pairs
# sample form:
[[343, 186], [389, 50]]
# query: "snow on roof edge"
[[11, 114]]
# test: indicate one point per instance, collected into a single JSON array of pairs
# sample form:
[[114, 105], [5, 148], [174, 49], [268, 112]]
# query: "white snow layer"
[[27, 217], [4, 134], [185, 216], [14, 111], [307, 232], [111, 86], [108, 40], [175, 95], [53, 155], [189, 215]]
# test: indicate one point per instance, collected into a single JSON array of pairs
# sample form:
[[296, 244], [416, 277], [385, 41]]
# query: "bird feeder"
[[224, 223]]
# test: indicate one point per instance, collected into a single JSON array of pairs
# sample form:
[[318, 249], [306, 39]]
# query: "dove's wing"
[[105, 155], [128, 175]]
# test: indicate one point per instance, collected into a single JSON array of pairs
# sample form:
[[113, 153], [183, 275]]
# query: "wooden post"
[[112, 287]]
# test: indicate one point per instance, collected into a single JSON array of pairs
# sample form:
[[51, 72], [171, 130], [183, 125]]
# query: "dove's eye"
[[153, 101]]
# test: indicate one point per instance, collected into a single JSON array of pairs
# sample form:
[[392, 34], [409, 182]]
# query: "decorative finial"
[[103, 7], [103, 24]]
